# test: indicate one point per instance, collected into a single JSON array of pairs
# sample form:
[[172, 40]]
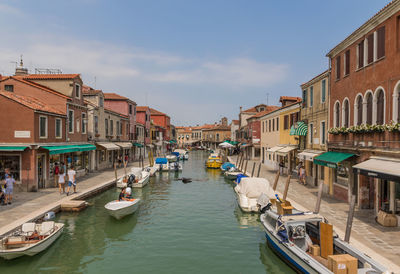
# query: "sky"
[[197, 61]]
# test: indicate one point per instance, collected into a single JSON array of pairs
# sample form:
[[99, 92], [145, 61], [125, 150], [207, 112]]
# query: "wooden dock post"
[[276, 180], [142, 161], [286, 187], [259, 170], [245, 166], [252, 171], [318, 204], [125, 163], [237, 159], [350, 219], [115, 171]]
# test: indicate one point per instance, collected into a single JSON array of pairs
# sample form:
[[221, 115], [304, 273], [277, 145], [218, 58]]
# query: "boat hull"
[[120, 213], [35, 249], [246, 204], [144, 181], [232, 175]]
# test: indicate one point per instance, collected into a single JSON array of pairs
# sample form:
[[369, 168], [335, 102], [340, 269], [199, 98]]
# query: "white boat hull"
[[142, 182], [172, 158], [247, 204], [120, 209], [231, 175], [34, 249]]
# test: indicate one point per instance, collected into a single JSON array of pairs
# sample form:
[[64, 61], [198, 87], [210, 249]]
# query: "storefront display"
[[13, 162]]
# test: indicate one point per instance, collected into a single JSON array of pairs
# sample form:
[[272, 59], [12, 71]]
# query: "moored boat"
[[136, 178], [171, 158], [296, 237], [232, 175], [227, 166], [161, 164], [249, 190], [120, 209], [214, 162], [176, 166], [152, 170], [29, 239]]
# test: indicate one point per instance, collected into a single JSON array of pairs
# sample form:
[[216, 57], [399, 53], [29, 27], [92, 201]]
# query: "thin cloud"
[[9, 10]]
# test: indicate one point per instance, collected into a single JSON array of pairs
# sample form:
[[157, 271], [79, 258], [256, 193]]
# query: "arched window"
[[368, 100], [346, 112], [380, 107], [358, 110], [337, 114]]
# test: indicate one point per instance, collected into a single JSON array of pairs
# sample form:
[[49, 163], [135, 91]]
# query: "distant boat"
[[161, 164], [232, 175], [120, 209], [29, 239], [171, 158], [249, 190], [214, 161], [136, 178], [176, 166]]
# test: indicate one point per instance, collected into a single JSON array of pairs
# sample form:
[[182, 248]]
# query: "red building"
[[364, 100], [162, 120], [143, 116]]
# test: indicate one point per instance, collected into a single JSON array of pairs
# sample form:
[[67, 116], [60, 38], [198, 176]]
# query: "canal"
[[179, 228]]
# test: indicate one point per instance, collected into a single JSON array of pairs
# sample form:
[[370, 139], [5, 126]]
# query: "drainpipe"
[[67, 122]]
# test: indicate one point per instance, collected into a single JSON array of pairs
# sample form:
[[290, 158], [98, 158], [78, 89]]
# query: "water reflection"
[[246, 220]]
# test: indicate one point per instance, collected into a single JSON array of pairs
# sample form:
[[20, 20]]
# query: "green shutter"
[[323, 91], [311, 96]]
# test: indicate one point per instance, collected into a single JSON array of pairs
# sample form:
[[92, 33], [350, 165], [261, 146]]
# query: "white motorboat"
[[183, 154], [176, 166], [249, 190], [232, 175], [152, 170], [171, 158], [161, 164], [136, 178], [294, 237], [30, 239], [120, 209]]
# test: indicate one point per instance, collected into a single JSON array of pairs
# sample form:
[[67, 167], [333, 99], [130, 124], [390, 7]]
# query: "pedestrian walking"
[[126, 159], [56, 172], [281, 166], [298, 169], [61, 180], [119, 161], [303, 175], [71, 179], [9, 189]]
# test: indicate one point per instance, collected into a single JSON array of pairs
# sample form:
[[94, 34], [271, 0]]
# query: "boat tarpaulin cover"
[[331, 158], [227, 166], [253, 187], [176, 153], [160, 161], [384, 168], [12, 148]]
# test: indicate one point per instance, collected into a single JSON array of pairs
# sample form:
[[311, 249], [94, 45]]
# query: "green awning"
[[300, 129], [137, 145], [12, 148], [331, 158], [69, 148]]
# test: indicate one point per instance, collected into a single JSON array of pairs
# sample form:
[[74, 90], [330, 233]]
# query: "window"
[[269, 127], [77, 91], [277, 123], [368, 100], [380, 107], [120, 128], [311, 129], [273, 124], [381, 42], [106, 126], [130, 109], [13, 163], [370, 44], [9, 88], [117, 129], [311, 95], [323, 91], [286, 122], [361, 54], [101, 101], [338, 64], [347, 62], [84, 123], [398, 32], [336, 114], [305, 98], [263, 126], [359, 106], [78, 125], [346, 113], [71, 121], [127, 129], [42, 126], [96, 124], [111, 127], [58, 128], [323, 129]]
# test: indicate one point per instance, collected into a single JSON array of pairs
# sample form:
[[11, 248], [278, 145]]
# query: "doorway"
[[41, 168]]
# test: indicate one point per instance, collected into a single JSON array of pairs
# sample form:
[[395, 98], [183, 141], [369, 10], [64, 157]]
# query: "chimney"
[[20, 70], [224, 121], [240, 109]]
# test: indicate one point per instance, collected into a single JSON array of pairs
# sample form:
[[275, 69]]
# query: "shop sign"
[[22, 134]]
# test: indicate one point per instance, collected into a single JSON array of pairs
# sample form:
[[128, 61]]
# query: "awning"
[[383, 168], [309, 155], [331, 158], [69, 148], [125, 145], [285, 151], [13, 148], [274, 149], [150, 145], [137, 145], [300, 129], [108, 146]]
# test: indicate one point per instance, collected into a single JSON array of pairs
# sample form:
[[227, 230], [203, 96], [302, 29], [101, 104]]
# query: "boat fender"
[[49, 216]]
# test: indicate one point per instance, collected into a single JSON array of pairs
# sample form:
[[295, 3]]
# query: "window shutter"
[[338, 65], [323, 91], [370, 48], [380, 108], [359, 110], [361, 54], [369, 109], [347, 65], [381, 42]]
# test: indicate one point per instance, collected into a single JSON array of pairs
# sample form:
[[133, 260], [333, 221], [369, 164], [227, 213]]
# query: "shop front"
[[271, 159], [125, 150], [314, 173], [105, 153], [384, 174], [286, 155]]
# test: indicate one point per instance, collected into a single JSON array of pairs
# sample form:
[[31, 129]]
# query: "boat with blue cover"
[[161, 164]]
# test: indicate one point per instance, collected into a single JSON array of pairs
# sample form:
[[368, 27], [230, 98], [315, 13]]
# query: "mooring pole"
[[350, 219], [237, 159], [115, 171], [276, 180], [245, 166], [259, 170], [318, 204], [286, 187], [252, 171]]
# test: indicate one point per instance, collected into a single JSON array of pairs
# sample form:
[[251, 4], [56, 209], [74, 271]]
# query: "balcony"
[[386, 140]]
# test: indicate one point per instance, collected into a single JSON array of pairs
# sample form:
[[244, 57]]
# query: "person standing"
[[9, 189], [126, 159], [56, 173], [281, 166], [61, 180], [71, 179], [303, 175]]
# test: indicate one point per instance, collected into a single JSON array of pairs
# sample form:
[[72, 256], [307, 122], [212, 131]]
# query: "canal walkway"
[[380, 243], [27, 206]]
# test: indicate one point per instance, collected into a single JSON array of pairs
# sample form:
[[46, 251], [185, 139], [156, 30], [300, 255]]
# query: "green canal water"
[[179, 228]]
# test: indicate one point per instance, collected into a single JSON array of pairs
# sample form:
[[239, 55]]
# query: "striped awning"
[[300, 129]]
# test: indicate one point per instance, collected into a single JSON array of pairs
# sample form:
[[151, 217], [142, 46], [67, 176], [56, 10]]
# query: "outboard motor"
[[131, 180]]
